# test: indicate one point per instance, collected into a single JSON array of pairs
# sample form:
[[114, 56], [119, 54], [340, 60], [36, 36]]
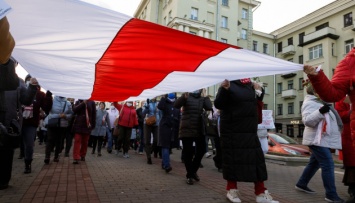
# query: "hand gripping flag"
[[83, 51]]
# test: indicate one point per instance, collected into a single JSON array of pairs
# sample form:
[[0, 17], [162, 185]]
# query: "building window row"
[[315, 52], [225, 2]]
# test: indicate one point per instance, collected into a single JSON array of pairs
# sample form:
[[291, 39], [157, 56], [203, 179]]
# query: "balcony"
[[288, 75], [289, 50], [289, 94], [318, 35]]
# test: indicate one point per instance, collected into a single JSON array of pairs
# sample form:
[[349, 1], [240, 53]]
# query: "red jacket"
[[128, 115], [346, 141], [341, 84]]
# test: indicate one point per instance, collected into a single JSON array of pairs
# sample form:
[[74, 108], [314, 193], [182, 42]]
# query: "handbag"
[[151, 120], [115, 132], [58, 122]]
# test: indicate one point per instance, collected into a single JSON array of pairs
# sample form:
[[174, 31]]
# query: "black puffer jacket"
[[243, 158], [190, 124]]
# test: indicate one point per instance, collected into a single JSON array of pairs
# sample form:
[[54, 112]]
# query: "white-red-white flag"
[[84, 51]]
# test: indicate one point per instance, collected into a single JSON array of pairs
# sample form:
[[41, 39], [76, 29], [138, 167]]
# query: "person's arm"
[[344, 111], [207, 104], [181, 101], [68, 112], [108, 120], [78, 106], [311, 115], [93, 115]]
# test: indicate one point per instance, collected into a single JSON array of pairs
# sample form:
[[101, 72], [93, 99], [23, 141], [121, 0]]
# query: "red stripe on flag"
[[143, 54]]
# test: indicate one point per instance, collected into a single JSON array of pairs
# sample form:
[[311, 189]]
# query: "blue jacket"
[[57, 108], [150, 110]]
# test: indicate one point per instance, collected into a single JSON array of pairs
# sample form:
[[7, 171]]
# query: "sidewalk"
[[112, 178]]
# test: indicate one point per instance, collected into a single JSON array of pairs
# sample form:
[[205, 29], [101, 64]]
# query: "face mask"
[[129, 104], [27, 83], [112, 107]]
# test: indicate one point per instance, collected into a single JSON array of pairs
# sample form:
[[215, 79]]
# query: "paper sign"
[[4, 9], [268, 120]]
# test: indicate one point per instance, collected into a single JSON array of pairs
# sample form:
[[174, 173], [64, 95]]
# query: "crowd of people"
[[161, 123]]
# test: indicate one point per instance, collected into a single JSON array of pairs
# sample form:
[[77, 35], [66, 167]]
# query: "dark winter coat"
[[169, 124], [243, 158], [140, 116], [79, 109], [43, 101], [191, 120]]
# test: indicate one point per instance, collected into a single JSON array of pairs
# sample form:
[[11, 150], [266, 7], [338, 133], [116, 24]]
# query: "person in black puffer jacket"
[[243, 158], [191, 131]]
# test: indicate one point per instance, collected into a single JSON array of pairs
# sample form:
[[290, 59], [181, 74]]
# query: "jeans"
[[212, 142], [166, 157], [28, 136], [109, 138], [321, 157]]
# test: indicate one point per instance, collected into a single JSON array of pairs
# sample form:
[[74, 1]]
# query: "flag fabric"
[[83, 51]]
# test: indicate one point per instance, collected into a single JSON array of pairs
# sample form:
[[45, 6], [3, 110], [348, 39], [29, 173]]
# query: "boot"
[[28, 166], [351, 191]]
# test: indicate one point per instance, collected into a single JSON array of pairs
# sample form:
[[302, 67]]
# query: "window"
[[210, 17], [290, 41], [224, 22], [348, 19], [300, 59], [349, 44], [265, 48], [279, 47], [279, 88], [290, 84], [255, 46], [300, 130], [266, 90], [319, 27], [225, 2], [289, 130], [279, 109], [194, 13], [244, 34], [300, 83], [301, 37], [223, 40], [301, 103], [315, 52], [244, 13], [290, 108], [265, 107]]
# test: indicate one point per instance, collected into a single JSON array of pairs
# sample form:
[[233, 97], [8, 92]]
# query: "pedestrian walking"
[[243, 158]]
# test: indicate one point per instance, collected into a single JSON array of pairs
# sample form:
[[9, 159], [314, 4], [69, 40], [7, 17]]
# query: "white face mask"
[[27, 83], [112, 107], [129, 104]]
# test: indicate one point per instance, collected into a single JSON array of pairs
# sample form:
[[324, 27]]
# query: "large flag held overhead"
[[83, 51]]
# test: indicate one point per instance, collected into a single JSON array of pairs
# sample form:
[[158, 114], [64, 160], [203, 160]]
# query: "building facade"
[[322, 37]]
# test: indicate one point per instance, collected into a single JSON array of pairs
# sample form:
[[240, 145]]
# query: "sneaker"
[[304, 189], [126, 155], [233, 195], [338, 200], [75, 162], [208, 155], [140, 153], [265, 198]]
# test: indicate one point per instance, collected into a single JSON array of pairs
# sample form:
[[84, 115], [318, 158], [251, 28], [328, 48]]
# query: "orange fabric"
[[7, 42]]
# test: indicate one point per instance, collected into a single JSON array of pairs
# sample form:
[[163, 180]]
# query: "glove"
[[324, 109], [48, 93]]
